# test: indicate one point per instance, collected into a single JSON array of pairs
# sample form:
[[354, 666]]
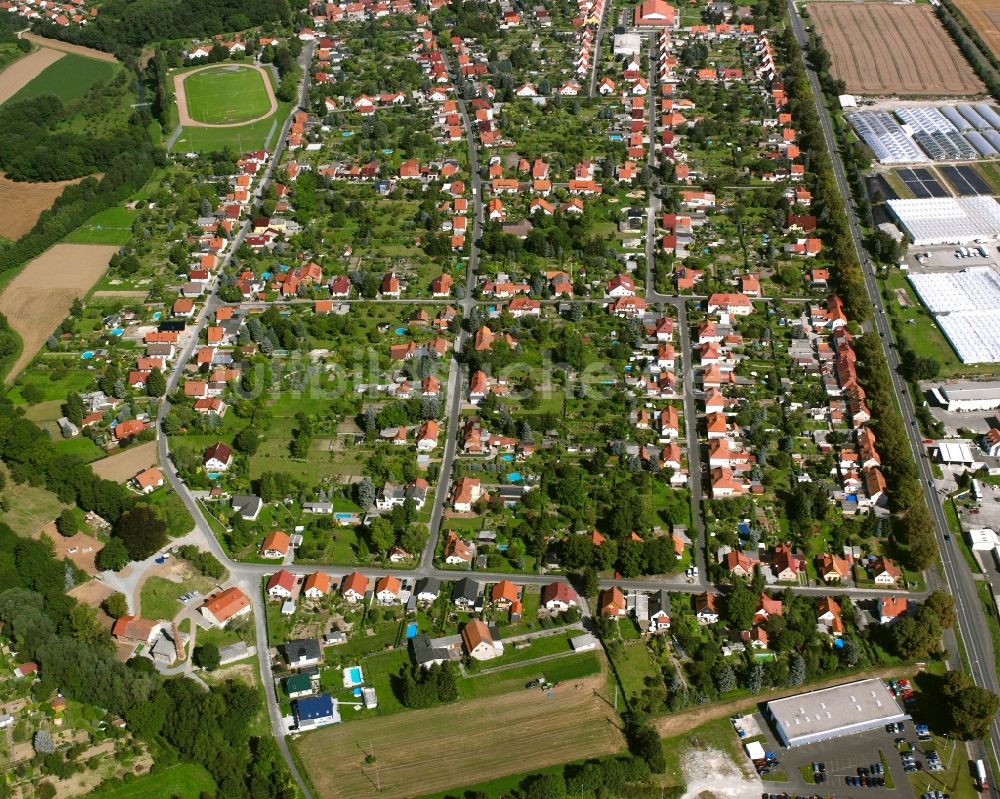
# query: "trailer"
[[979, 772]]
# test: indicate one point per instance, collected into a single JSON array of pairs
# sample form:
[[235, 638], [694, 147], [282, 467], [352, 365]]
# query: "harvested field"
[[125, 465], [984, 16], [576, 723], [66, 47], [885, 49], [24, 70], [40, 296], [22, 203]]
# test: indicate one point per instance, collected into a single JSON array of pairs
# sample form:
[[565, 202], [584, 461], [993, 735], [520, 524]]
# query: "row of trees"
[[913, 527], [125, 26]]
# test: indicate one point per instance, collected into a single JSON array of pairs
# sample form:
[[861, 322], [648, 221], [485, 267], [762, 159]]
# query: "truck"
[[979, 773]]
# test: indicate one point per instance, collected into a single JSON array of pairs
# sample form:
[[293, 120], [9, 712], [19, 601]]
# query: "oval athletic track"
[[181, 97]]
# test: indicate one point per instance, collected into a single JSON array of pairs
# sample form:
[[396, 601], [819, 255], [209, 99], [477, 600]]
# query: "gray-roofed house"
[[429, 651], [248, 506], [659, 611], [303, 652], [428, 589], [468, 594]]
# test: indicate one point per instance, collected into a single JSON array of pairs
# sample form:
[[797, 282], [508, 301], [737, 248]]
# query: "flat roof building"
[[847, 709], [963, 395], [948, 220]]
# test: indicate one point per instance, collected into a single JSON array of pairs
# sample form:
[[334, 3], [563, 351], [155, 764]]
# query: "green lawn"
[[81, 447], [226, 94], [159, 597], [110, 226], [633, 666], [239, 138], [570, 667], [69, 78], [29, 508], [185, 780]]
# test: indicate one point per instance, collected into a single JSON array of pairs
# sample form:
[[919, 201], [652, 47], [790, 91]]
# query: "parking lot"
[[842, 758]]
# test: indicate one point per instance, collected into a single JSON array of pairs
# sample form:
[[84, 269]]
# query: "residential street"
[[958, 580]]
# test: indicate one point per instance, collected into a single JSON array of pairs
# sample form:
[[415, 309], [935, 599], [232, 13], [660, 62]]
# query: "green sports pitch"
[[226, 95]]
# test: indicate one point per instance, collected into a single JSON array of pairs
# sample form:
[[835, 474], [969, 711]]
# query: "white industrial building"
[[966, 306], [982, 539], [965, 395], [954, 452], [948, 220], [626, 44], [833, 712]]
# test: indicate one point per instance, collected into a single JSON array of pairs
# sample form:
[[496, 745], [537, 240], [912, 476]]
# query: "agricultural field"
[[575, 723], [984, 16], [40, 296], [224, 95], [22, 203], [884, 49], [25, 70], [68, 78]]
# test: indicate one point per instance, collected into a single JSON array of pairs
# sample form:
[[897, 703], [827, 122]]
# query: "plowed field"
[[884, 49]]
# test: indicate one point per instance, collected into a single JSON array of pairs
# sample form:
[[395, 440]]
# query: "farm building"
[[833, 712], [947, 220]]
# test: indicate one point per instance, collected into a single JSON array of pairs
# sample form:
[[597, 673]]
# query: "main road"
[[958, 579]]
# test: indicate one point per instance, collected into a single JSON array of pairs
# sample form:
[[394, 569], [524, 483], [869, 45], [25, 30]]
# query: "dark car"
[[532, 683]]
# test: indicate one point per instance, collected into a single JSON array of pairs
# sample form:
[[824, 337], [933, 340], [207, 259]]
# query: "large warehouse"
[[948, 220], [833, 712], [966, 306], [960, 395]]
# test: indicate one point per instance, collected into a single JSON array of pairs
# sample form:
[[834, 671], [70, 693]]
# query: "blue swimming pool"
[[387, 151], [156, 315], [411, 629], [342, 515], [213, 475], [353, 676], [507, 458], [357, 692], [514, 477], [347, 133], [117, 331], [400, 331], [87, 355]]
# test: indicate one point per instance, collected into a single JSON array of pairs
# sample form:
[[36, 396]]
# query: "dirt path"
[[40, 295], [24, 70], [680, 723], [182, 107], [66, 47]]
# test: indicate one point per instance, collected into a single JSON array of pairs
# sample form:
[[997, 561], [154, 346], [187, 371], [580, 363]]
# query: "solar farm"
[[917, 134]]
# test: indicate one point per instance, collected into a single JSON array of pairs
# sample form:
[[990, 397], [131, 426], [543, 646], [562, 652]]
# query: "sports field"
[[885, 49], [224, 95], [68, 78], [422, 752]]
